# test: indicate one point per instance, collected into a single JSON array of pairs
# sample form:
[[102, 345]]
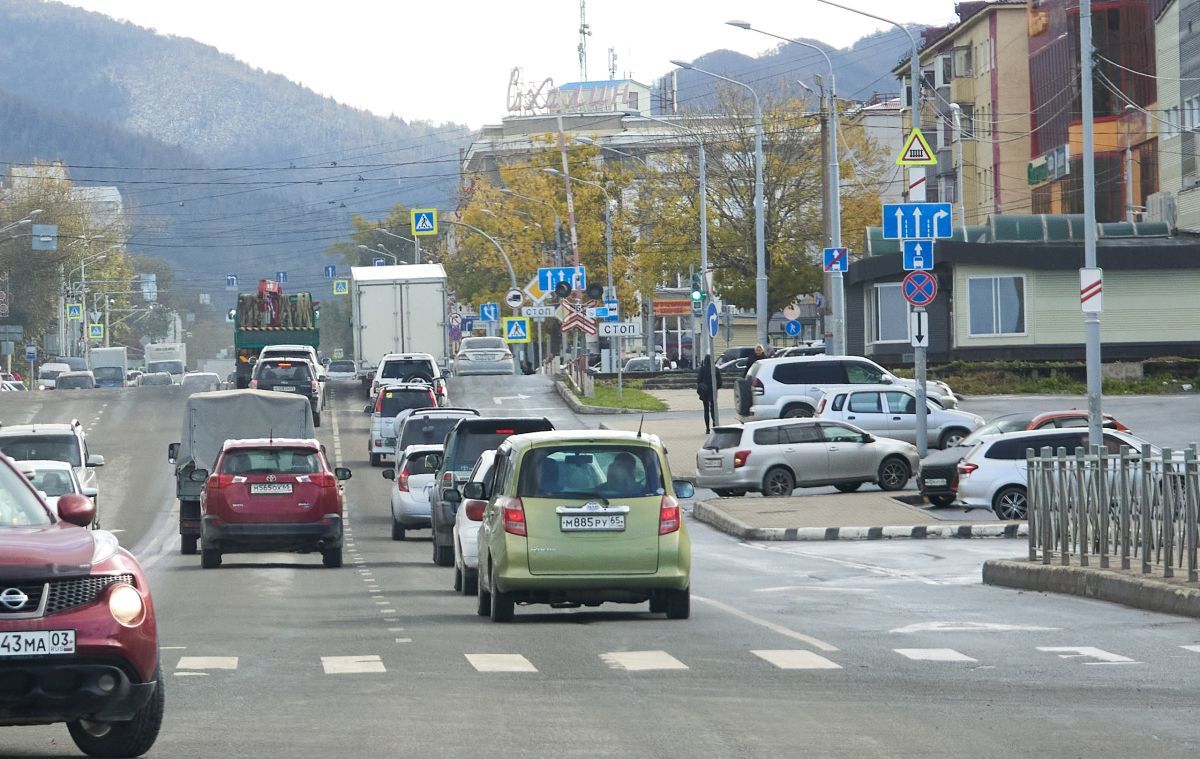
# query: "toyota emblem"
[[270, 478], [13, 598]]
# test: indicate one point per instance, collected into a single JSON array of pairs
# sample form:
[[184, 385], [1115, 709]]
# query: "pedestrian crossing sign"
[[516, 329], [916, 151], [424, 222], [95, 331], [75, 312], [341, 287]]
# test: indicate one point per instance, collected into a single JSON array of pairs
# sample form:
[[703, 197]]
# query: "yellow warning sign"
[[916, 151]]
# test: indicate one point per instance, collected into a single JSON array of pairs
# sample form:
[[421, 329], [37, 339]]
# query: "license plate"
[[934, 481], [37, 643], [596, 523], [712, 464], [271, 488], [285, 388]]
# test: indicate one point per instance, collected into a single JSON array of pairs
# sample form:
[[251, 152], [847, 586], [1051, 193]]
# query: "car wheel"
[[443, 556], [483, 603], [210, 558], [940, 500], [397, 530], [458, 583], [778, 482], [848, 487], [952, 437], [131, 738], [893, 474], [1010, 503], [470, 582], [332, 557], [502, 603], [187, 544], [796, 412], [679, 604], [658, 604]]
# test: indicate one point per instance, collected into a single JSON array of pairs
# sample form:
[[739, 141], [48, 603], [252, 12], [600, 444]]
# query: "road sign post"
[[1091, 290], [918, 255], [514, 298], [904, 221], [489, 312], [919, 289], [836, 260]]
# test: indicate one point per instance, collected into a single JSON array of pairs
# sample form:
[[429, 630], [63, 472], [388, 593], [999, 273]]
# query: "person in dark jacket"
[[707, 390]]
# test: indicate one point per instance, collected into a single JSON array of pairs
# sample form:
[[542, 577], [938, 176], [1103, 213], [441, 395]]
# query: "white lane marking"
[[1193, 649], [392, 619], [352, 665], [933, 654], [374, 590], [116, 531], [814, 642], [207, 662], [395, 629], [822, 588], [1087, 652], [171, 648], [921, 627], [191, 674], [387, 611], [641, 661], [796, 659], [898, 574], [404, 640], [500, 663]]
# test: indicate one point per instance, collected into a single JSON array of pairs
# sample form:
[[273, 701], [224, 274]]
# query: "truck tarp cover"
[[212, 418]]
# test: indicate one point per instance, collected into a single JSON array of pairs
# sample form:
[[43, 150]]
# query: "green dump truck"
[[269, 317]]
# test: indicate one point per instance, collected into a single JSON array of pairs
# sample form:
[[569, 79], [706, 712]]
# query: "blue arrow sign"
[[908, 220], [230, 281], [713, 319], [489, 312], [379, 262], [918, 255], [467, 325], [792, 328], [330, 272], [550, 276], [836, 260], [281, 277]]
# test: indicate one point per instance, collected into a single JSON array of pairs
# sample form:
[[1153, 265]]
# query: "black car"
[[289, 375], [464, 444]]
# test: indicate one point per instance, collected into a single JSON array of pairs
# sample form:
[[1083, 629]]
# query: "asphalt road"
[[842, 650]]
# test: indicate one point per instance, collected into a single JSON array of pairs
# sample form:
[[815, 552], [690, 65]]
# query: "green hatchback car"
[[580, 518]]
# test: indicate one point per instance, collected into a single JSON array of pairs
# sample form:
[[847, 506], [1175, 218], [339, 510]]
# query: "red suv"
[[271, 495], [78, 638]]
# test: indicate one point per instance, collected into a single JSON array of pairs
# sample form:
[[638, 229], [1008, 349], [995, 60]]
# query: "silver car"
[[775, 457], [414, 474], [483, 355], [891, 411]]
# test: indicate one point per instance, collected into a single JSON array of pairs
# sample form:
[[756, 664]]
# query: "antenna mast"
[[585, 31], [612, 63]]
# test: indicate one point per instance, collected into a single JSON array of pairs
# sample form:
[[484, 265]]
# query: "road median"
[[1151, 592]]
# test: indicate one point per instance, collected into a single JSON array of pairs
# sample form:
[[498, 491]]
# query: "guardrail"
[[1130, 505]]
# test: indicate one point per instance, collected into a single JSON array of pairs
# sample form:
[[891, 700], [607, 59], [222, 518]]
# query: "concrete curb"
[[582, 408], [1140, 592], [725, 523]]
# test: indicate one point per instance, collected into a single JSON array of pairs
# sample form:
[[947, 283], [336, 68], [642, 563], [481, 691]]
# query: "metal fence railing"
[[1129, 506]]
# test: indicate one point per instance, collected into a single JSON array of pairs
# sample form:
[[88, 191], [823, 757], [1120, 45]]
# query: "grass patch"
[[631, 397]]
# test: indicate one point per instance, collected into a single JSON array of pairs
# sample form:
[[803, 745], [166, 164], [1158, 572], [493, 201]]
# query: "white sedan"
[[466, 531], [56, 479]]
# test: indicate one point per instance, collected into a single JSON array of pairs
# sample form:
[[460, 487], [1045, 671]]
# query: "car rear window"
[[426, 430], [108, 373], [342, 366], [34, 447], [270, 460], [722, 438], [53, 482], [170, 367], [424, 463], [75, 383], [474, 437], [405, 368], [19, 506], [482, 343], [284, 372], [392, 402], [589, 471]]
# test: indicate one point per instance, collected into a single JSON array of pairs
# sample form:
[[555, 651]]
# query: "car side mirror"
[[76, 509], [367, 409], [474, 490], [198, 475], [868, 438], [342, 472], [90, 492], [95, 460], [685, 489], [172, 453], [322, 378], [451, 495], [389, 474], [886, 380]]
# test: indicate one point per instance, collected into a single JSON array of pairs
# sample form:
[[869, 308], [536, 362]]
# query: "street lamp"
[[835, 194], [415, 243], [589, 141], [507, 262], [762, 316], [27, 220], [381, 249]]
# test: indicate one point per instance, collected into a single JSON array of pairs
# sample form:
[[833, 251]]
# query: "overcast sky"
[[449, 60]]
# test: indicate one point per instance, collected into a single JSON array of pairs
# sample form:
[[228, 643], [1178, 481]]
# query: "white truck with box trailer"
[[167, 357], [110, 366], [398, 309]]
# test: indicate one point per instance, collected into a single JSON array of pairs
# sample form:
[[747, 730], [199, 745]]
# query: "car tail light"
[[508, 354], [378, 443], [314, 387], [668, 515], [402, 481], [739, 459], [221, 481], [756, 386], [512, 513], [253, 384], [475, 510], [821, 405], [324, 479], [448, 480], [965, 468]]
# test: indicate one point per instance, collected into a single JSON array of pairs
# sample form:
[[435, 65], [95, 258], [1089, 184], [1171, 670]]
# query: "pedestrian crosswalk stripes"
[[796, 659], [640, 661], [352, 665], [934, 654], [207, 662], [500, 663]]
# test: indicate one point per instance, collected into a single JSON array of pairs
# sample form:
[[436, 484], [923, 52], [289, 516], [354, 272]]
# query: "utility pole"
[[1091, 319]]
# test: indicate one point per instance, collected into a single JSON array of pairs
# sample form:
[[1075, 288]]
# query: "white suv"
[[994, 474], [777, 388], [891, 411], [410, 367], [54, 442]]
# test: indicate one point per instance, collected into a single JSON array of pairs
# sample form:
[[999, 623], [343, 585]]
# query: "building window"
[[967, 121], [996, 305], [962, 61], [889, 314]]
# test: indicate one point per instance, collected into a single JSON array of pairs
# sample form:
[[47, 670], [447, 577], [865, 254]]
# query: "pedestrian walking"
[[707, 390], [759, 353]]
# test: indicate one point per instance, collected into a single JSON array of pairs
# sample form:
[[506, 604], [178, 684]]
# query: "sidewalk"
[[682, 433]]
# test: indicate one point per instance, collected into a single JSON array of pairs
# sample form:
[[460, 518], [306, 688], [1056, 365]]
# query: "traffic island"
[[1129, 587], [839, 517], [605, 400]]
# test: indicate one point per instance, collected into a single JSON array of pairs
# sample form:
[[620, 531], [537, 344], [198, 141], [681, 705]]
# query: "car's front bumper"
[[217, 533], [42, 691]]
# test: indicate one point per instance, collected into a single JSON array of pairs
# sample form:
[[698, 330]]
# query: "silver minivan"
[[891, 411]]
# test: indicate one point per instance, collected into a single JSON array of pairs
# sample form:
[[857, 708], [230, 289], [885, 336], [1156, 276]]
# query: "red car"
[[78, 638], [271, 495]]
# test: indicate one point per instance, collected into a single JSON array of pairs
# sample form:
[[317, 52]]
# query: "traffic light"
[[595, 291], [562, 290], [697, 295]]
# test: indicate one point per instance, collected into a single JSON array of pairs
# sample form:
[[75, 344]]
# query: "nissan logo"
[[13, 598]]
